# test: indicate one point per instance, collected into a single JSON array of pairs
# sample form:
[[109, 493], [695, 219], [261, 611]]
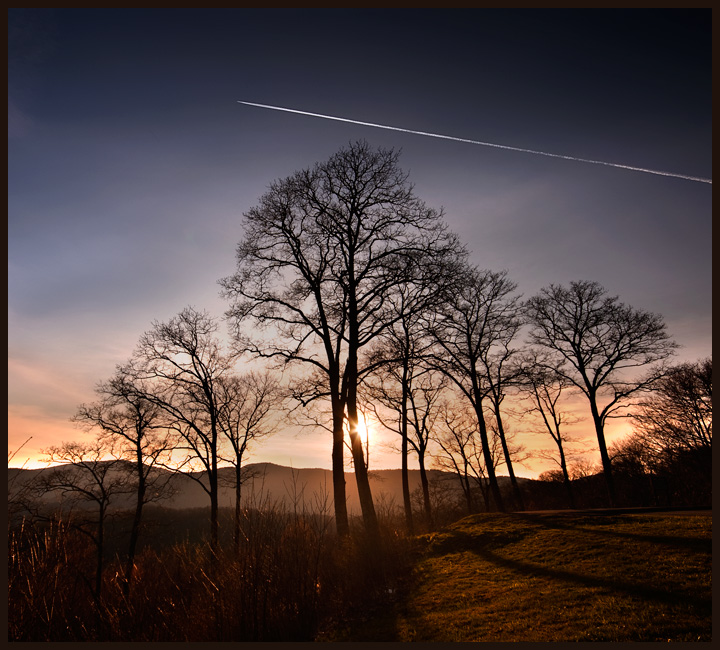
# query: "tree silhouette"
[[545, 388], [677, 415], [464, 452], [673, 427], [411, 391], [133, 425], [245, 405], [178, 366], [322, 253], [472, 331], [603, 343], [88, 475]]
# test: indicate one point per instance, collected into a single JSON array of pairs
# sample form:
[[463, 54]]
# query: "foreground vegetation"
[[495, 577], [488, 577], [290, 576]]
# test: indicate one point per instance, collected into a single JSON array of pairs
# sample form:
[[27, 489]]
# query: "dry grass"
[[556, 578], [485, 578], [290, 579]]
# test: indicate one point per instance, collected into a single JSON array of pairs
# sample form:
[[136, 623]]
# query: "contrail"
[[483, 144]]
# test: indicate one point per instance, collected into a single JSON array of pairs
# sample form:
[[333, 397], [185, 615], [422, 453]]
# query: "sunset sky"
[[131, 163]]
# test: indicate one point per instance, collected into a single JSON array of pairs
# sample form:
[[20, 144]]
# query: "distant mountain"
[[267, 484]]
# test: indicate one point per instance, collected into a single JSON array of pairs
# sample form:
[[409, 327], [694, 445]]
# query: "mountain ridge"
[[267, 482]]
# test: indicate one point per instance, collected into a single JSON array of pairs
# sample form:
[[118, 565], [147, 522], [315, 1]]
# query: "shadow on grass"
[[499, 542], [645, 592], [597, 523], [483, 542]]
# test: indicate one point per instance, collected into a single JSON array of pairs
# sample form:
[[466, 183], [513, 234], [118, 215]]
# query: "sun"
[[362, 429]]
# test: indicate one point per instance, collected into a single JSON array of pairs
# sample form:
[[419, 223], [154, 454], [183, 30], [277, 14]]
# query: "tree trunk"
[[238, 507], [342, 524], [566, 475], [404, 451], [351, 378], [361, 476], [492, 479], [508, 461], [213, 485], [425, 489], [465, 482], [604, 456], [135, 530]]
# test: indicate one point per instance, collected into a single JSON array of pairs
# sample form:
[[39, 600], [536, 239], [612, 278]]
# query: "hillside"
[[303, 488], [542, 577]]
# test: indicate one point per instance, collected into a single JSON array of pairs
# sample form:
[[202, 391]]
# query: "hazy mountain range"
[[267, 483]]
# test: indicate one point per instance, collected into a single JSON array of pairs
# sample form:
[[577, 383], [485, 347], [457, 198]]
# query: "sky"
[[131, 163]]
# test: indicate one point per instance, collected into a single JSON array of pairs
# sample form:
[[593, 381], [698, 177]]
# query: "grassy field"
[[560, 577]]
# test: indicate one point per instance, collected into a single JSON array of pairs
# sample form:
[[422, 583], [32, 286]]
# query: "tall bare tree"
[[88, 475], [677, 415], [476, 323], [405, 396], [322, 252], [245, 407], [605, 344], [179, 366], [464, 452], [502, 375], [545, 388], [133, 426]]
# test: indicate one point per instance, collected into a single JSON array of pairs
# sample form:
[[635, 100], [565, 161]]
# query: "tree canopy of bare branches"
[[133, 425], [179, 366], [323, 253], [472, 331], [677, 415], [599, 345]]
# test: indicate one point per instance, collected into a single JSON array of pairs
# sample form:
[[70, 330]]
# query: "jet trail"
[[483, 144]]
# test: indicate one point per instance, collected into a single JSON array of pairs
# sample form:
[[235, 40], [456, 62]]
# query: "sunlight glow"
[[363, 429]]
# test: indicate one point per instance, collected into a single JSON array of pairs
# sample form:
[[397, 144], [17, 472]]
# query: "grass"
[[497, 577], [291, 577], [492, 577]]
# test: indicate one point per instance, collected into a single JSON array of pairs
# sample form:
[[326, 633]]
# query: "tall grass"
[[291, 578]]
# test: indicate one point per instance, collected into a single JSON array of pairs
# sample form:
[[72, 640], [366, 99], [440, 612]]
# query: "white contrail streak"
[[484, 144]]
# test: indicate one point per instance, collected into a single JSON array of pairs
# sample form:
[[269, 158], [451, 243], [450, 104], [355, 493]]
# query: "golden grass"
[[565, 577]]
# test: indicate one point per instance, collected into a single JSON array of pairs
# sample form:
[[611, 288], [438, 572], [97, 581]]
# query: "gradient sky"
[[131, 163]]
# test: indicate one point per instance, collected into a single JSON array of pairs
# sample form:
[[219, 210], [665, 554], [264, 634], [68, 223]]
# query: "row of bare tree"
[[178, 404], [344, 270], [351, 284]]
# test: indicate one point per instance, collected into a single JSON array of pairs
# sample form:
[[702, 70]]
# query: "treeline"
[[359, 300]]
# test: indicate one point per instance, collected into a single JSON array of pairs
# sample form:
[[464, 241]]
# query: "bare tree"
[[501, 375], [322, 252], [673, 428], [605, 343], [463, 451], [133, 425], [677, 416], [546, 388], [472, 331], [405, 397], [178, 366], [89, 476], [245, 407]]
